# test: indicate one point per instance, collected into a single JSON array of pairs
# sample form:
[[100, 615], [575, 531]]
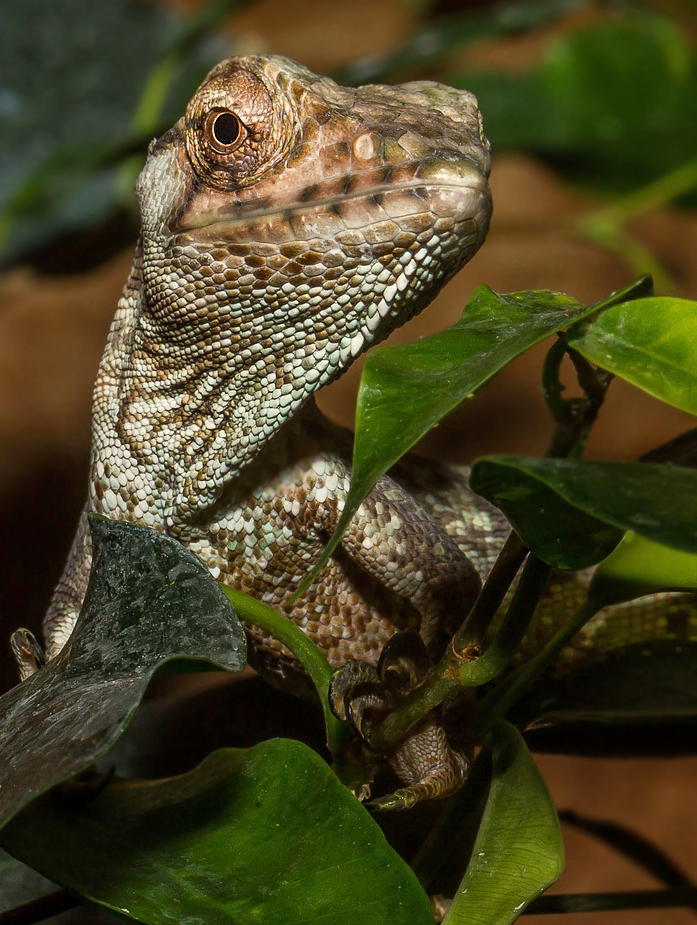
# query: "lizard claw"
[[354, 692], [423, 760], [27, 652]]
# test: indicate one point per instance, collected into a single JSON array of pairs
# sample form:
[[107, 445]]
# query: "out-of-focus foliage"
[[613, 105], [71, 80]]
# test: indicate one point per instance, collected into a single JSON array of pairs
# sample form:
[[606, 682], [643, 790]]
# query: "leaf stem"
[[465, 667], [499, 580], [496, 704], [315, 664], [632, 846], [37, 910], [599, 902]]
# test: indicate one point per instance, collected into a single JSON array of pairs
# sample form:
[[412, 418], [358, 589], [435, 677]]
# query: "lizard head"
[[305, 204], [288, 222]]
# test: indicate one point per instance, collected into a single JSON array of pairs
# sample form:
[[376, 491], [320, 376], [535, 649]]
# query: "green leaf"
[[69, 94], [437, 37], [599, 94], [519, 850], [634, 683], [539, 497], [638, 567], [149, 600], [549, 519], [406, 390], [635, 700], [651, 343], [19, 884], [265, 835]]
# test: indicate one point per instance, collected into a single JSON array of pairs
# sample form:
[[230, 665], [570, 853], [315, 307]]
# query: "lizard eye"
[[225, 131]]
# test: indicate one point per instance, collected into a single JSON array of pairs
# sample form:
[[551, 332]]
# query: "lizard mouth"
[[460, 199]]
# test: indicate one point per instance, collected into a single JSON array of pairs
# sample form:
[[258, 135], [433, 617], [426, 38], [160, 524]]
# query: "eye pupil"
[[226, 128]]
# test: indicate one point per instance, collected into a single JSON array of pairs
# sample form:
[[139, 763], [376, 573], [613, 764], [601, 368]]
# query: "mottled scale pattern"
[[287, 224], [263, 269]]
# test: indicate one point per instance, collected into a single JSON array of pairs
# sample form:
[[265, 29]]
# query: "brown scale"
[[288, 224]]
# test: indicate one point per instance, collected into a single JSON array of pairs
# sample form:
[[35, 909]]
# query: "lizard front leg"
[[400, 549], [407, 550], [63, 610]]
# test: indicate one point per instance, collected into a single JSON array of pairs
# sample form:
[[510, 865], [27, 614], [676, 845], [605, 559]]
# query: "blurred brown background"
[[53, 327]]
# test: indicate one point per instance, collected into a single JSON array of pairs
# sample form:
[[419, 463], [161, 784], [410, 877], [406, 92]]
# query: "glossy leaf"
[[651, 343], [406, 390], [638, 567], [265, 835], [557, 530], [149, 600], [519, 850], [539, 497]]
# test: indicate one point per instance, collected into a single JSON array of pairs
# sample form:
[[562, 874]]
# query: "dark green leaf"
[[149, 600], [266, 835], [634, 699], [557, 528], [19, 883], [71, 78], [539, 497], [651, 343], [519, 850], [652, 680]]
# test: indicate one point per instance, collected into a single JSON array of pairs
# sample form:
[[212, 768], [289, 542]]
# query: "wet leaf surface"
[[267, 834], [651, 343], [149, 601], [539, 497], [519, 850]]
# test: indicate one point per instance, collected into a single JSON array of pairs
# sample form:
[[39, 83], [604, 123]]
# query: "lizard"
[[287, 224]]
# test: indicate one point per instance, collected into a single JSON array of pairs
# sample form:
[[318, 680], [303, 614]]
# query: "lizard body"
[[287, 224], [265, 266]]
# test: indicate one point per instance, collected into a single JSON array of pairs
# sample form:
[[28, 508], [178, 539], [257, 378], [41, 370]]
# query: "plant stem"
[[632, 846], [607, 226], [598, 902], [45, 907], [499, 580], [499, 701], [315, 664], [463, 666], [574, 417]]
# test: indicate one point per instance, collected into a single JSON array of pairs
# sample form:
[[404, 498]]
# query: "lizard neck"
[[187, 421]]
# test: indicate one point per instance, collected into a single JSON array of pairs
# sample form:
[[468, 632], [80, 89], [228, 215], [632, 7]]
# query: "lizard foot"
[[27, 652], [423, 760]]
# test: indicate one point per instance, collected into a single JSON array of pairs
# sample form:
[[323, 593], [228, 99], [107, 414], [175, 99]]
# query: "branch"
[[599, 902], [632, 846], [45, 907]]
